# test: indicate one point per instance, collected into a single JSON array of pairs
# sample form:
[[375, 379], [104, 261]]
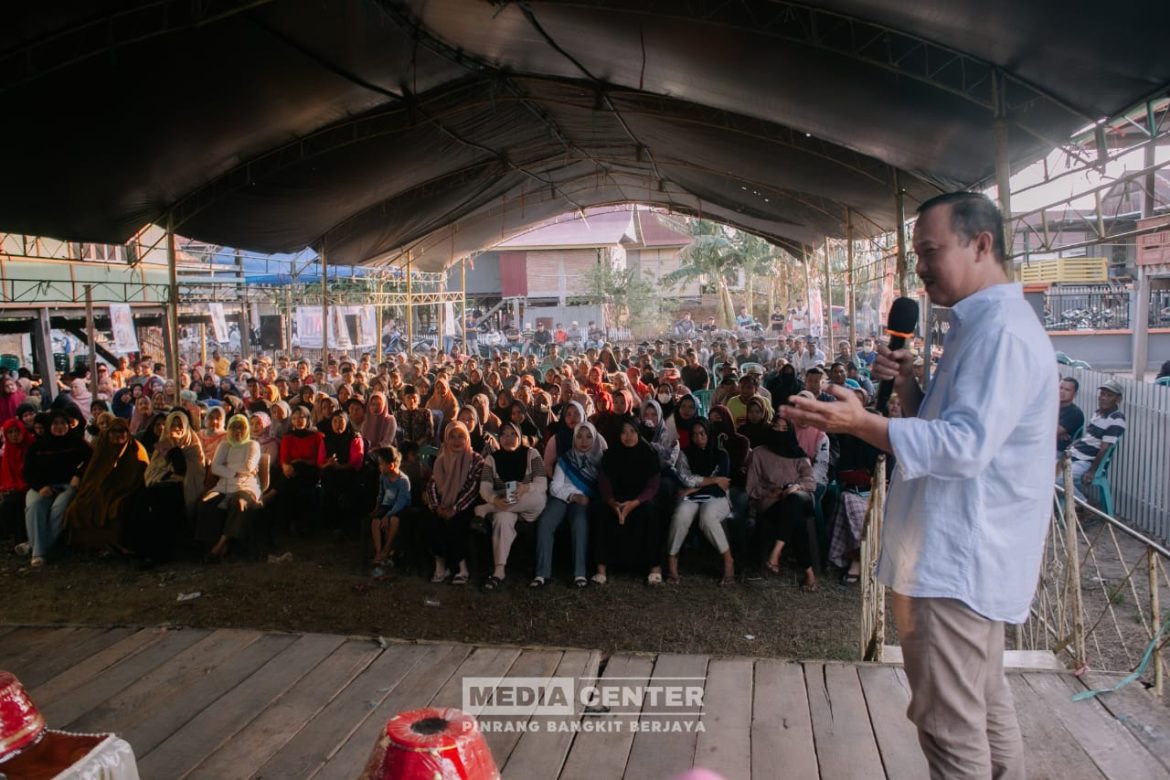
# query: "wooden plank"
[[781, 725], [307, 751], [25, 645], [601, 753], [1109, 744], [1139, 711], [183, 749], [68, 654], [887, 695], [416, 690], [667, 753], [261, 739], [725, 745], [111, 682], [492, 662], [531, 663], [543, 754], [841, 730], [159, 687], [85, 670], [1049, 750]]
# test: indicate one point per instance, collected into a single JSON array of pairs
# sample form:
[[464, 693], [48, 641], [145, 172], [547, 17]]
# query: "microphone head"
[[903, 317]]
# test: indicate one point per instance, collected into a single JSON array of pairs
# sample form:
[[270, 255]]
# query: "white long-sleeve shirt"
[[971, 496], [230, 461]]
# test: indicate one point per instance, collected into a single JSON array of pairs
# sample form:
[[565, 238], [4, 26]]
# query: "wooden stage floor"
[[238, 704]]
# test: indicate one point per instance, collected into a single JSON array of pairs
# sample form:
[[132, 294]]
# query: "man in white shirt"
[[970, 499]]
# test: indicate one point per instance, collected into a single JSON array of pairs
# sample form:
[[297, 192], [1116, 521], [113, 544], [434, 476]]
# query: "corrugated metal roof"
[[597, 228]]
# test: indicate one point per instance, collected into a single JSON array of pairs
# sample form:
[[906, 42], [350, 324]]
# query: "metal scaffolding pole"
[[1141, 283], [173, 306], [463, 288], [91, 336], [324, 308], [1003, 171], [850, 288], [828, 301], [409, 310], [900, 212], [378, 323]]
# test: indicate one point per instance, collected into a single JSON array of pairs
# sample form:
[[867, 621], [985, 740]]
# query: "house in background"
[[545, 269]]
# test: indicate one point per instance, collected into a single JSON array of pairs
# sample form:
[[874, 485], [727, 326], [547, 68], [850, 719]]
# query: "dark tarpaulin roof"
[[427, 129]]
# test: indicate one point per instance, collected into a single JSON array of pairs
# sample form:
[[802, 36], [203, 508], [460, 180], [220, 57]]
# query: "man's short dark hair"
[[409, 390], [815, 370], [972, 213], [1076, 385]]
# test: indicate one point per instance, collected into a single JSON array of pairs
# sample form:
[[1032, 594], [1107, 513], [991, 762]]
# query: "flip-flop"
[[440, 578], [581, 582], [492, 583], [459, 579], [537, 582]]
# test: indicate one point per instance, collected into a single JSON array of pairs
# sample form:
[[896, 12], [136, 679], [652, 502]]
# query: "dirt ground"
[[327, 588]]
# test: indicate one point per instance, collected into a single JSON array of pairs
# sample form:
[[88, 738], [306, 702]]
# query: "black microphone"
[[899, 327]]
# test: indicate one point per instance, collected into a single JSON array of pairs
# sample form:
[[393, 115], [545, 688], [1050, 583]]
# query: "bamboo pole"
[[828, 340], [900, 214], [91, 336], [324, 309], [1073, 562], [1155, 619], [409, 310], [173, 307], [203, 346], [850, 288], [463, 287]]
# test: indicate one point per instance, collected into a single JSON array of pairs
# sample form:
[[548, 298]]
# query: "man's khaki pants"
[[959, 697]]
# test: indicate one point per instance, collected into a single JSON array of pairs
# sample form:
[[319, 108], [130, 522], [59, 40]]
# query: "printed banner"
[[122, 326], [219, 328]]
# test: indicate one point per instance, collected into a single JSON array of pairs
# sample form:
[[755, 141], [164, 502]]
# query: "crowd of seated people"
[[643, 454]]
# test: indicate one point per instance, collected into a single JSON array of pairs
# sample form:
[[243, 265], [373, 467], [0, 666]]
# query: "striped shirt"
[[1101, 431]]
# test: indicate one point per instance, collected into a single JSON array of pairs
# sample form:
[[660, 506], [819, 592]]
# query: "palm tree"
[[714, 256]]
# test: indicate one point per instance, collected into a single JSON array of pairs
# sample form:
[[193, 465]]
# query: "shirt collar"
[[988, 295]]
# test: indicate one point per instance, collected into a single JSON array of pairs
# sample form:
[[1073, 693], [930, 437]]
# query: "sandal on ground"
[[810, 587], [441, 577], [773, 569], [599, 579], [654, 579], [581, 582], [850, 579], [538, 582], [727, 581], [673, 579], [459, 579], [24, 548], [493, 583], [36, 563]]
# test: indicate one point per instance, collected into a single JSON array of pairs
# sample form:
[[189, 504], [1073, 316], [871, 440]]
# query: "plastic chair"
[[1079, 364], [1164, 381], [427, 453], [703, 400], [1101, 478]]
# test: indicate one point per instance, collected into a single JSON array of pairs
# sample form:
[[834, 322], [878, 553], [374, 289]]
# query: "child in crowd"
[[393, 498]]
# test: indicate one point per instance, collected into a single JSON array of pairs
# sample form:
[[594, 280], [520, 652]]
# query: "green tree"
[[713, 256], [632, 295]]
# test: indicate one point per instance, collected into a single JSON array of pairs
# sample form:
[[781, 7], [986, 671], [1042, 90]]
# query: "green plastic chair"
[[1063, 359], [1164, 381], [1101, 479], [427, 453], [703, 401], [1079, 364]]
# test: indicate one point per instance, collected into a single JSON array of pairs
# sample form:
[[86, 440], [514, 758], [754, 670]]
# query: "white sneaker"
[[24, 548]]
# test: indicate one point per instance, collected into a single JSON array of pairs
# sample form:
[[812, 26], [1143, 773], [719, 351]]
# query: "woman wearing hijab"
[[225, 514], [609, 423], [487, 418], [518, 416], [143, 413], [122, 404], [208, 390], [379, 428], [503, 405], [214, 431], [785, 385], [52, 469], [780, 483], [475, 386], [451, 496], [174, 484], [443, 400], [302, 453], [686, 415], [574, 486], [815, 444], [108, 490], [153, 433], [281, 414], [563, 430], [513, 486], [704, 470], [13, 486], [344, 453], [756, 427], [11, 396], [627, 528], [483, 443]]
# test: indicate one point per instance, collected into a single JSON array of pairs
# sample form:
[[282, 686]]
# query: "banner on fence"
[[219, 328], [122, 326]]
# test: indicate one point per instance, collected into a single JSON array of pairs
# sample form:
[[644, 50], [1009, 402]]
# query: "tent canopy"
[[378, 131]]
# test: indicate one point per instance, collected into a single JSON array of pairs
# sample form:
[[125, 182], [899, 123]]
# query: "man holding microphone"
[[970, 498]]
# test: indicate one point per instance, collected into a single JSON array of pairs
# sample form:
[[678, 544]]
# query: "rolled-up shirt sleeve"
[[980, 410]]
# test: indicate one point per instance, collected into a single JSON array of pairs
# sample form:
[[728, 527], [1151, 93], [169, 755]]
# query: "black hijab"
[[705, 461], [511, 466], [784, 443], [628, 469], [338, 444]]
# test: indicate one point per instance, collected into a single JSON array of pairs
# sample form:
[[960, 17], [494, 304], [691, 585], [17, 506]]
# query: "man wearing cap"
[[970, 500], [1102, 432]]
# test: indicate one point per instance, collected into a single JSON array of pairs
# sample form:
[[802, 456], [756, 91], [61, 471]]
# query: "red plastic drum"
[[431, 744], [21, 723]]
